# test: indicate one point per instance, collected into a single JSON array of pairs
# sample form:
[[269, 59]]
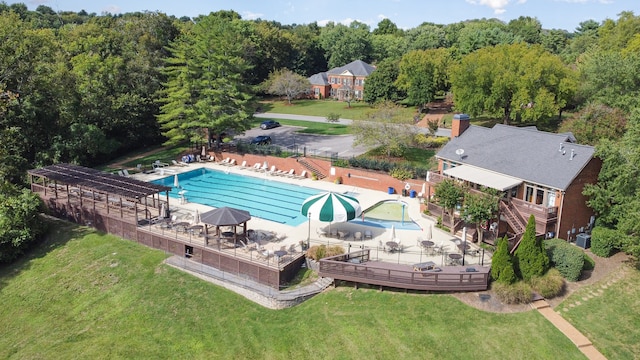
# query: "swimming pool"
[[386, 214], [267, 199]]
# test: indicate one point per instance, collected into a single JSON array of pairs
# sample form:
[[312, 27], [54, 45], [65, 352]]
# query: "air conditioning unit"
[[583, 241]]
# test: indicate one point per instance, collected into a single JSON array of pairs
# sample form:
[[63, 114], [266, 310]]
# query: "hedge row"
[[605, 242]]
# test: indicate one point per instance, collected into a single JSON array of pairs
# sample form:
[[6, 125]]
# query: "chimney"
[[459, 124]]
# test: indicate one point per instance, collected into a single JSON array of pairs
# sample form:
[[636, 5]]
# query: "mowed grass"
[[311, 127], [83, 294], [608, 313], [357, 111]]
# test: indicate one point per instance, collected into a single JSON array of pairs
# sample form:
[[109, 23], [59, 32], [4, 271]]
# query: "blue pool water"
[[267, 199]]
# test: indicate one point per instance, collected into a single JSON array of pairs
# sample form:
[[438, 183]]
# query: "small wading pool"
[[264, 198], [388, 213]]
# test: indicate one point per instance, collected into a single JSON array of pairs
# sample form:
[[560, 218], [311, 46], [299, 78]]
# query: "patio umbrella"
[[428, 233], [175, 181], [204, 151], [393, 233], [196, 217], [424, 189], [163, 211], [330, 207]]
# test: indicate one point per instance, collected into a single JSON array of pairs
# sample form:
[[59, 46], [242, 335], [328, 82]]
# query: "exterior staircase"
[[312, 169], [515, 221]]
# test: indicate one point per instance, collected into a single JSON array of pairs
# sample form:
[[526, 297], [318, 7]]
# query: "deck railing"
[[447, 278]]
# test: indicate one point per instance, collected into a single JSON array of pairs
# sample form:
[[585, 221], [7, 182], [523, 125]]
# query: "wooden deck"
[[356, 267]]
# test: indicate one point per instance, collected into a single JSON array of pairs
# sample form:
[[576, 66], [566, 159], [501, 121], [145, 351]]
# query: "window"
[[358, 94], [316, 91], [344, 81], [528, 193], [539, 196], [333, 92], [332, 80]]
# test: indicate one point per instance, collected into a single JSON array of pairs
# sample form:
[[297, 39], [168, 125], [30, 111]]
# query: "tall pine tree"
[[531, 257], [501, 264], [205, 87]]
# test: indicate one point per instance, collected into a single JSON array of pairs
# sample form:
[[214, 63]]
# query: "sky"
[[406, 14]]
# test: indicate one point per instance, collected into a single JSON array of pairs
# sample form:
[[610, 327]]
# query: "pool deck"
[[411, 253]]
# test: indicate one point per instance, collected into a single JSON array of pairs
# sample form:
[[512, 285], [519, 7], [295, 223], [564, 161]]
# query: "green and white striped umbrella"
[[331, 207]]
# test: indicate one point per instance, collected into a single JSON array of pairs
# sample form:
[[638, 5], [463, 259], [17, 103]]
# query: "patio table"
[[455, 257], [392, 245], [342, 234], [427, 244], [280, 253], [195, 228], [182, 224]]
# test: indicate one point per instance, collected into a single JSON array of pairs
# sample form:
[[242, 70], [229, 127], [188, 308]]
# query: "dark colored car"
[[269, 124], [261, 140]]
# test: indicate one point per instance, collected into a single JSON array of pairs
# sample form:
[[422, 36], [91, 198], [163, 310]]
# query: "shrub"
[[518, 293], [568, 259], [318, 252], [589, 263], [501, 265], [531, 258], [401, 173], [604, 242], [550, 285], [333, 117]]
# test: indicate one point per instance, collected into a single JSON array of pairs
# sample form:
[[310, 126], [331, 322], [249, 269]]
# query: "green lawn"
[[357, 111], [609, 315], [83, 294], [311, 127]]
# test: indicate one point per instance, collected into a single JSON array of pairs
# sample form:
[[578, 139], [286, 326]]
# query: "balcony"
[[542, 213]]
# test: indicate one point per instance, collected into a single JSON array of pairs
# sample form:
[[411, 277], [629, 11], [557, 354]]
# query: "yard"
[[84, 294], [358, 110]]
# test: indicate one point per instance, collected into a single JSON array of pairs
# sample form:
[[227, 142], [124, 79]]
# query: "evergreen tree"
[[501, 264], [531, 257], [205, 87]]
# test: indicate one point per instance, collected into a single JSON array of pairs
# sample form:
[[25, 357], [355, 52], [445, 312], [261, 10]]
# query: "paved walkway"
[[568, 330]]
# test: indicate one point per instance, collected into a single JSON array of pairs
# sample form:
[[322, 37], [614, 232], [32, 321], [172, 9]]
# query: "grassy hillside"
[[83, 294]]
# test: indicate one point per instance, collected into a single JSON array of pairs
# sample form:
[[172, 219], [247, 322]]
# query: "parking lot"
[[286, 136]]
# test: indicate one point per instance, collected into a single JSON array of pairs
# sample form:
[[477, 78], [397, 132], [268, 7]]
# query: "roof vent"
[[459, 152], [561, 147], [573, 153]]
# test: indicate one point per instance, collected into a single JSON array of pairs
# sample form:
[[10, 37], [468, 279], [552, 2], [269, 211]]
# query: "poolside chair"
[[225, 161], [333, 233], [264, 167], [301, 176], [158, 163], [243, 165], [255, 167], [357, 236], [272, 171], [368, 234], [125, 172], [232, 162], [289, 174], [321, 233], [120, 173]]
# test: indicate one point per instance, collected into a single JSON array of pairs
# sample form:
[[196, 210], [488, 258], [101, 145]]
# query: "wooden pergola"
[[97, 187]]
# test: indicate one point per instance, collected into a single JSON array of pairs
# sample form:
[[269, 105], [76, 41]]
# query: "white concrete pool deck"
[[412, 252]]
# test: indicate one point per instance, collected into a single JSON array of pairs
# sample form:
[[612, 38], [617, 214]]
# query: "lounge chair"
[[321, 233], [264, 168], [301, 176], [126, 173], [120, 173], [158, 163], [289, 174], [243, 165], [232, 162], [225, 161], [255, 167], [272, 171]]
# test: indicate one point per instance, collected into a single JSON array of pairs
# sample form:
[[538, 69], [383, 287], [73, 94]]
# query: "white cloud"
[[498, 6], [112, 9], [586, 1], [38, 2], [382, 16], [248, 15]]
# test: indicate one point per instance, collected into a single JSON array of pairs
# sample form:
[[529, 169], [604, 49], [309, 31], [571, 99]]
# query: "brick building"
[[342, 82]]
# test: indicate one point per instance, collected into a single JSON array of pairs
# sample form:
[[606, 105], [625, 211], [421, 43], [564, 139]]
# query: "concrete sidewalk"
[[568, 330]]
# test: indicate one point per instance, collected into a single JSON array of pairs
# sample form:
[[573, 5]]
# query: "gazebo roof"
[[225, 216], [100, 181]]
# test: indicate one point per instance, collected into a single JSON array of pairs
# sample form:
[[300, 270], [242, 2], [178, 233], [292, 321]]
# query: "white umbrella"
[[424, 189], [163, 211], [393, 233], [175, 181], [204, 151], [428, 234], [196, 217]]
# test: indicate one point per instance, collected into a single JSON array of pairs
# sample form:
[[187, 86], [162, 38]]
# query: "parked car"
[[269, 124], [261, 140]]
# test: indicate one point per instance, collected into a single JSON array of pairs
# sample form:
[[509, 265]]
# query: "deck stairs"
[[312, 169], [515, 221]]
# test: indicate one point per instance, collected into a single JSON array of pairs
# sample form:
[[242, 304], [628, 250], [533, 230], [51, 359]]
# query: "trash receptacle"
[[404, 192], [412, 193], [391, 190]]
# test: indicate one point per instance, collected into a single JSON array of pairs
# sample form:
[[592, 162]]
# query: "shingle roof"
[[319, 79], [357, 68], [525, 153]]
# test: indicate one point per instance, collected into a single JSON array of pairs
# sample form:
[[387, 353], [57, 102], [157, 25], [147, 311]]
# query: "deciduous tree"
[[423, 73], [480, 208], [286, 83], [384, 127], [521, 82], [449, 194]]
